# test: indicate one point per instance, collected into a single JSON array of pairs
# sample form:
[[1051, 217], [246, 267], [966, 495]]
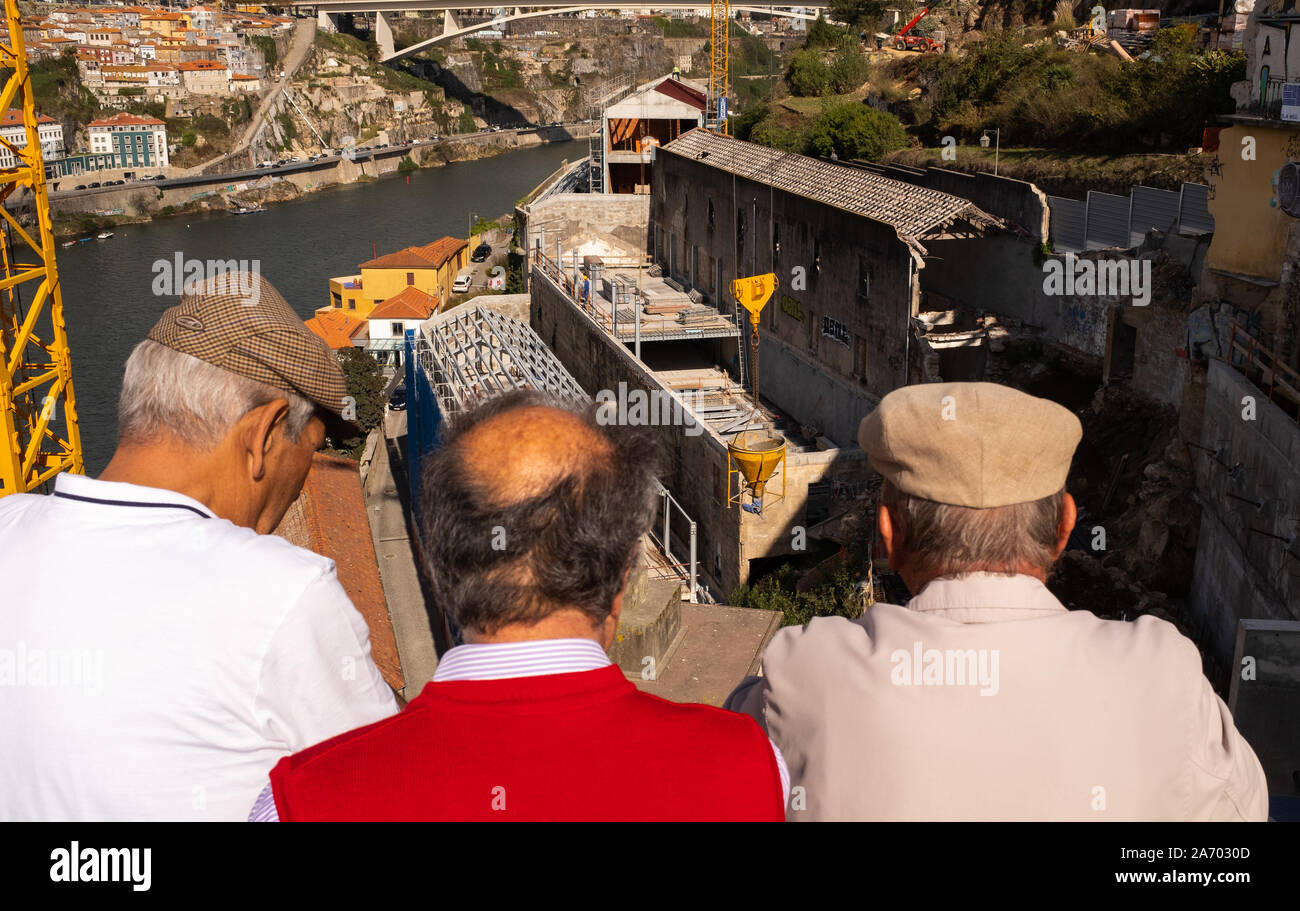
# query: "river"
[[107, 285]]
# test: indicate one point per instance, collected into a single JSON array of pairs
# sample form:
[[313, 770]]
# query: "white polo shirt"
[[156, 661]]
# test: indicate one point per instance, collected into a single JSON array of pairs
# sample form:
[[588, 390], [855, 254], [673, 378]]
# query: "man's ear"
[[257, 433], [1069, 515], [885, 525]]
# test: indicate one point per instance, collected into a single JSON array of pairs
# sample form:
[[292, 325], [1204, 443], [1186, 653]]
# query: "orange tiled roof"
[[202, 65], [126, 120], [409, 303], [14, 117], [429, 256], [337, 328], [329, 517]]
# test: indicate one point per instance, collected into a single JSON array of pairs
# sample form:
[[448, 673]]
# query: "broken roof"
[[913, 211]]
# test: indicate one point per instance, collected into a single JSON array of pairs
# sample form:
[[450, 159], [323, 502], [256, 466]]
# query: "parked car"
[[462, 283], [266, 164], [81, 186], [397, 401], [95, 185], [481, 253]]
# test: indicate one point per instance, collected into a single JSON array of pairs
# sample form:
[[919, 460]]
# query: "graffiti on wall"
[[1277, 46]]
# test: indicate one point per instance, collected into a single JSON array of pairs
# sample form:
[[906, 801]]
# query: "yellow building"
[[431, 268], [1256, 190], [164, 23]]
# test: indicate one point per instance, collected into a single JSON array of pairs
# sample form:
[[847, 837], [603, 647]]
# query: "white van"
[[462, 282]]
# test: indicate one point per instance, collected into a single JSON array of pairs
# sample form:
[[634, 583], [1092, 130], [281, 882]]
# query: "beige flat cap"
[[970, 444]]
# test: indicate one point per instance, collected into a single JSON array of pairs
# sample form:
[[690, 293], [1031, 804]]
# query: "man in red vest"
[[532, 519]]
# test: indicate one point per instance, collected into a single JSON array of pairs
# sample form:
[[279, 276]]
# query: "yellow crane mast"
[[719, 63], [37, 406]]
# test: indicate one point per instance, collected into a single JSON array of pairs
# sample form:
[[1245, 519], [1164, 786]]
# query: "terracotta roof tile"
[[124, 119], [329, 517], [409, 303], [337, 328], [14, 117], [429, 256]]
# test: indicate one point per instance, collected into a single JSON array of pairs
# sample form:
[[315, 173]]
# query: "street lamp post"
[[469, 234], [997, 148]]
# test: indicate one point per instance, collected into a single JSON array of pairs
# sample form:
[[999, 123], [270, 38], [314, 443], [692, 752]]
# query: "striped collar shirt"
[[502, 661]]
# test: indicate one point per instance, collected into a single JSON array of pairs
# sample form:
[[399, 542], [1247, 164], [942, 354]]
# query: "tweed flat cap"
[[970, 444], [239, 322]]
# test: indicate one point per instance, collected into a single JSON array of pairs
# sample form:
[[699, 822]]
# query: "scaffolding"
[[476, 354]]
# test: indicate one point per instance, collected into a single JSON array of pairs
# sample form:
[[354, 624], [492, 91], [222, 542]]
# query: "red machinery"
[[924, 43]]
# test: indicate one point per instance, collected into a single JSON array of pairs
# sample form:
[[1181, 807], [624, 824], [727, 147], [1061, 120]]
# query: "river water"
[[108, 294]]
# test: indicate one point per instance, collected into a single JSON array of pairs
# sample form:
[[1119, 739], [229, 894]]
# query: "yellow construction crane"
[[37, 407], [719, 63]]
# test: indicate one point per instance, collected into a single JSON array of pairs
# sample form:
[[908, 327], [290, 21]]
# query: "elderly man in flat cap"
[[985, 698], [168, 651]]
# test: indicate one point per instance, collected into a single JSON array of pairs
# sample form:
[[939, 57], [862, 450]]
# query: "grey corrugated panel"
[[1194, 210], [1107, 221], [1068, 224], [1151, 208]]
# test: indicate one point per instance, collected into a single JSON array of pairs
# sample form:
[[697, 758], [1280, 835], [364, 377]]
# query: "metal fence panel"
[[1194, 210], [1151, 208], [1068, 224], [1107, 221]]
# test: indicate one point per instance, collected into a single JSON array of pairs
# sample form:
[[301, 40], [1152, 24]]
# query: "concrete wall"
[[727, 537], [564, 215], [829, 246], [796, 384], [1018, 201], [997, 274], [1241, 574]]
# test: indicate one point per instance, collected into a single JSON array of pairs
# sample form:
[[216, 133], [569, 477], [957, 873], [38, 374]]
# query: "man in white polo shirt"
[[159, 650]]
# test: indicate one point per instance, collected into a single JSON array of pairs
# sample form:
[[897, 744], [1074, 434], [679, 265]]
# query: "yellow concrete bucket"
[[757, 456]]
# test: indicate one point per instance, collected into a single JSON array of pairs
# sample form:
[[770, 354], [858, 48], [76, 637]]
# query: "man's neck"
[[166, 466], [915, 582], [563, 624]]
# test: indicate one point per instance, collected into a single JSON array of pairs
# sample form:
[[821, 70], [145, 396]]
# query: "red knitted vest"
[[580, 746]]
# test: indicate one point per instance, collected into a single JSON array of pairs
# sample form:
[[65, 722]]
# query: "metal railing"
[[1263, 367], [1269, 104], [661, 534]]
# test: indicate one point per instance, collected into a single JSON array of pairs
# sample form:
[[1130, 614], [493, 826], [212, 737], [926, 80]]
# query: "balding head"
[[526, 451], [530, 507]]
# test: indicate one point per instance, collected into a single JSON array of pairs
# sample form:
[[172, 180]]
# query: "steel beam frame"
[[38, 411]]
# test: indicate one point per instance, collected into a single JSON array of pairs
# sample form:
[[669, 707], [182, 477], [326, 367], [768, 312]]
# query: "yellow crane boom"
[[38, 413], [719, 61]]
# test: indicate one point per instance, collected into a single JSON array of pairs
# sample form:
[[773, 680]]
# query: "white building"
[[12, 131], [133, 141]]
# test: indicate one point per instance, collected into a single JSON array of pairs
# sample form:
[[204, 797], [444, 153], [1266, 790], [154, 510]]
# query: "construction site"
[[755, 304]]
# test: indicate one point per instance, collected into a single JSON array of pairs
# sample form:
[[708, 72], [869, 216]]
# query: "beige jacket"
[[986, 699]]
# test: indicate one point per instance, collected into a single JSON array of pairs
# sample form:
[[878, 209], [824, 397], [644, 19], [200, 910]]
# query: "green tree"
[[849, 69], [808, 74], [856, 131], [822, 34], [466, 123], [266, 44], [366, 385], [859, 14]]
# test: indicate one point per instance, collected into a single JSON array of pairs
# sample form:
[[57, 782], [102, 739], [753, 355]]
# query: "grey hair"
[[949, 540], [167, 393]]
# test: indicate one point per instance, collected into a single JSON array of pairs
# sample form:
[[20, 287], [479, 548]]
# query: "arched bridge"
[[327, 12]]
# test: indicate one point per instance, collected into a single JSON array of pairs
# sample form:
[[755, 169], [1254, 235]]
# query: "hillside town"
[[895, 408]]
